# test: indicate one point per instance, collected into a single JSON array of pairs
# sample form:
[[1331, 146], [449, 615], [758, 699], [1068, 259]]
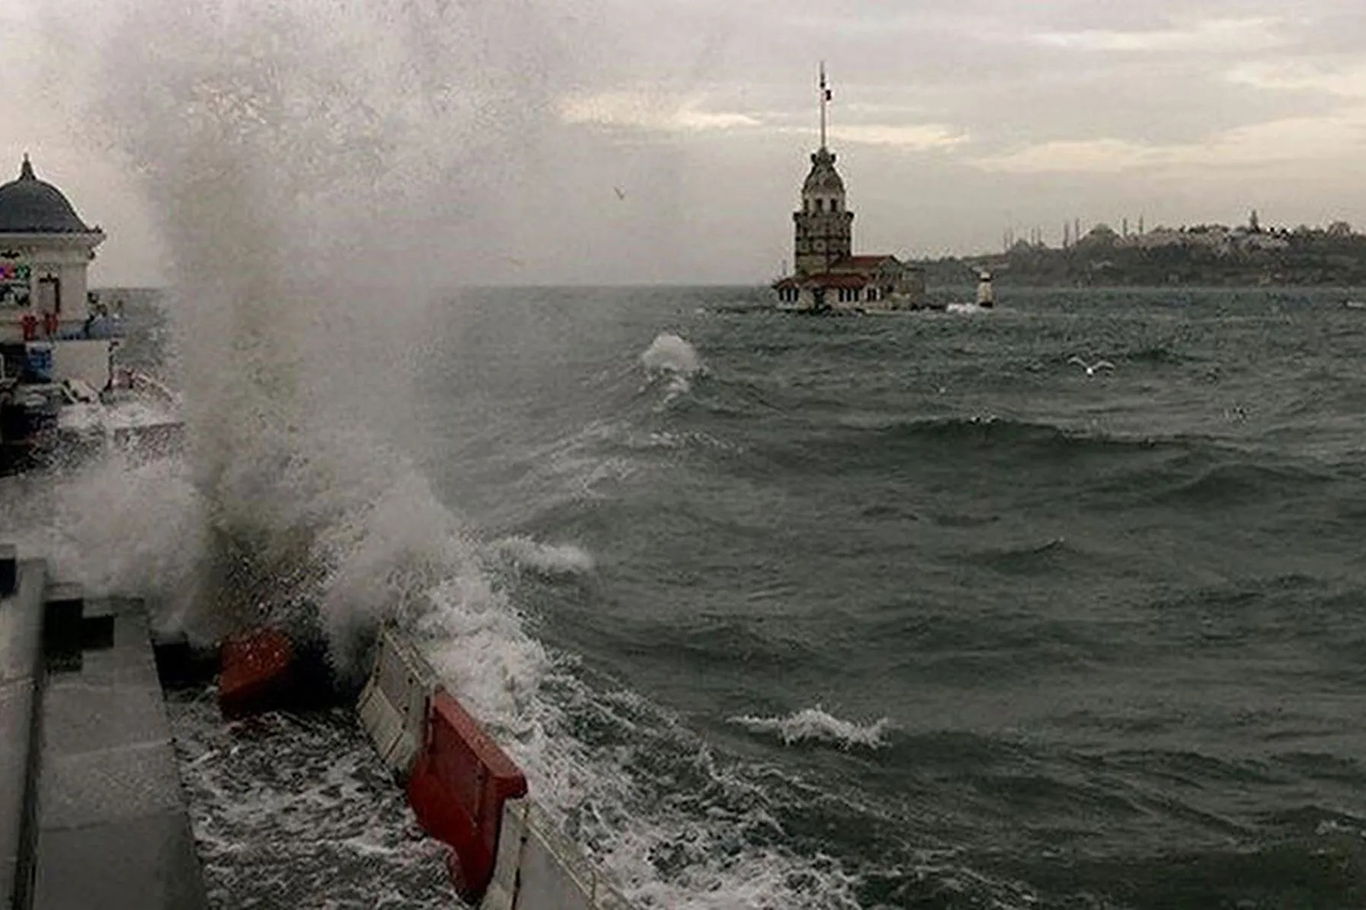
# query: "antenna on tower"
[[825, 100]]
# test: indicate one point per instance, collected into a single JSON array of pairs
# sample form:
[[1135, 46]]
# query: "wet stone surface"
[[296, 810]]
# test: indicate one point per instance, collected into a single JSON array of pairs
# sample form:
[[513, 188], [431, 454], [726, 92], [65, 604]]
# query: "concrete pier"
[[92, 814], [21, 627]]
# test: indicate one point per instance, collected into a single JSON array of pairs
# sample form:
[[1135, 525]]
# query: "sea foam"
[[816, 724], [672, 359], [547, 559]]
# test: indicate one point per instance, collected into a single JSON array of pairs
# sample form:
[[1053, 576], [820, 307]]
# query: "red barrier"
[[255, 671], [457, 789]]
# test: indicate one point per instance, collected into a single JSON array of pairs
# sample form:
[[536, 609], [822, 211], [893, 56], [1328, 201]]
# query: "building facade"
[[45, 316]]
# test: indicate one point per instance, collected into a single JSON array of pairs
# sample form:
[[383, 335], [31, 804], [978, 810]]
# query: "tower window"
[[834, 205], [820, 205]]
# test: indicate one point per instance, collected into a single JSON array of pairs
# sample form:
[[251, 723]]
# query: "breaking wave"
[[818, 725], [671, 359], [547, 559]]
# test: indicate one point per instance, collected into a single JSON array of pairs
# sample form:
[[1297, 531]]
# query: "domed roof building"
[[32, 206], [45, 250]]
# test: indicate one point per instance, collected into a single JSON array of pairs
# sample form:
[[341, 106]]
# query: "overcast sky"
[[608, 141]]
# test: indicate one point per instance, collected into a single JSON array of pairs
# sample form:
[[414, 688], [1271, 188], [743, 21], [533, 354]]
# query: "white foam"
[[704, 814], [818, 725], [670, 353], [673, 359], [549, 559]]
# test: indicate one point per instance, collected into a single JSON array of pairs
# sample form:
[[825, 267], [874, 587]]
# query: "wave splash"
[[293, 338], [672, 359], [546, 559], [818, 725]]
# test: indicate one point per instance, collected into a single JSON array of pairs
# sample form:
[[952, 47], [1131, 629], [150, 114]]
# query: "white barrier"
[[393, 704], [539, 868]]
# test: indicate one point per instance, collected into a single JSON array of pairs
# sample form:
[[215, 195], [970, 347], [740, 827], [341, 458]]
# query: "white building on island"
[[827, 276]]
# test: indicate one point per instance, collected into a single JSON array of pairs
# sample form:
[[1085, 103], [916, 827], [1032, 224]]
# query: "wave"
[[866, 444], [672, 359], [546, 559], [1237, 482], [816, 724], [1026, 558], [1158, 353]]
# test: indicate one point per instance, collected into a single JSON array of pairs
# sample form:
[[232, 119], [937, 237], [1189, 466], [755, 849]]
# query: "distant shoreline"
[[1201, 256], [966, 287]]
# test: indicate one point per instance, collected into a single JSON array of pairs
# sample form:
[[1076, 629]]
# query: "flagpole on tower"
[[825, 97]]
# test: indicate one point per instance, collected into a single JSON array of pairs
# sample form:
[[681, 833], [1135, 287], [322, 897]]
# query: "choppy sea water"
[[911, 611], [297, 810], [902, 611]]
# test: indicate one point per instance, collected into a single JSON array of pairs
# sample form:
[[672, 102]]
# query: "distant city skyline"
[[604, 141]]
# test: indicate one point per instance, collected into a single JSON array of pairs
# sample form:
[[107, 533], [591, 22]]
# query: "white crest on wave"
[[817, 724], [670, 356], [548, 559]]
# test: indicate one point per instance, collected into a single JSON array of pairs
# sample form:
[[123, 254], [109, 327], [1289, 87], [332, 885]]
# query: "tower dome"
[[32, 206], [823, 177]]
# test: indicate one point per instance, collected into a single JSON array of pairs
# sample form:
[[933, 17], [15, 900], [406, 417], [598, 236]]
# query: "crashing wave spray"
[[311, 164], [670, 357]]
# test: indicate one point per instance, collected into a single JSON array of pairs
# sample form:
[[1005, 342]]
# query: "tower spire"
[[825, 99]]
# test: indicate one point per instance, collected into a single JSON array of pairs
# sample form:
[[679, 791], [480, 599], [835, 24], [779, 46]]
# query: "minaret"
[[824, 226]]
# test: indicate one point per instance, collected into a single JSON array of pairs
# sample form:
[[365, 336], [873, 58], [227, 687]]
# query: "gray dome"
[[32, 206], [823, 177]]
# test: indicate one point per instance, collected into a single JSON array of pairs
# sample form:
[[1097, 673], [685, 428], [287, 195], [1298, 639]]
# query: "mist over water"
[[314, 168]]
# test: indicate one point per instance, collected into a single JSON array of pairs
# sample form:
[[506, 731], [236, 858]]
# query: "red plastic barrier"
[[255, 671], [457, 789]]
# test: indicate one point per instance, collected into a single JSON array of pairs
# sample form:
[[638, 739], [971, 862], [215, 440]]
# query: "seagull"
[[1091, 368], [621, 194]]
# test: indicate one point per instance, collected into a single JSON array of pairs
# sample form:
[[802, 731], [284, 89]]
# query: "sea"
[[915, 610]]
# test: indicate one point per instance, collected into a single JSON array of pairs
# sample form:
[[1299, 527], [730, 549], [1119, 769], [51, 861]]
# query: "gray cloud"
[[952, 121]]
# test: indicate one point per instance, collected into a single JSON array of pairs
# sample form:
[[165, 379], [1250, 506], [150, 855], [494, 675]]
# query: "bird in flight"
[[1091, 368], [621, 194]]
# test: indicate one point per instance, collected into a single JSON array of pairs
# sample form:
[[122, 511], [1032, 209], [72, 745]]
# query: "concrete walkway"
[[102, 823]]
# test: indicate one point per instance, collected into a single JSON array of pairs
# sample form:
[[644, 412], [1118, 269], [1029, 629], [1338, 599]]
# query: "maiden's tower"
[[827, 276]]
